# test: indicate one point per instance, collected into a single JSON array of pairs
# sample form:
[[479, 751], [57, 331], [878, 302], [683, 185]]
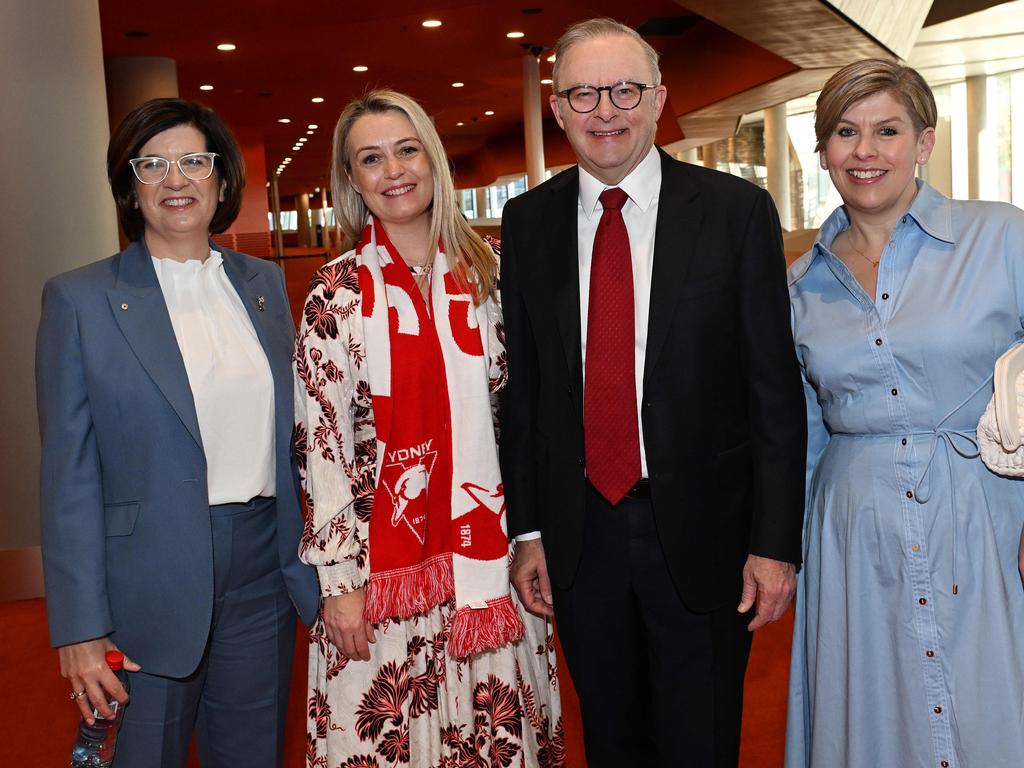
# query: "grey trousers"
[[236, 700]]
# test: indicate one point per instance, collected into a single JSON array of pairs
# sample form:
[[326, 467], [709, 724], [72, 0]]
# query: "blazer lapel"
[[263, 302], [561, 259], [675, 245], [141, 312]]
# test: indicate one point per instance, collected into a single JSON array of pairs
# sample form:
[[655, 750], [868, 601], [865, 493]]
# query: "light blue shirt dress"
[[908, 649]]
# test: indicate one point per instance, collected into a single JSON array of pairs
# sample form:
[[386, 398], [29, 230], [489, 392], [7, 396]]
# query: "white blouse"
[[231, 382]]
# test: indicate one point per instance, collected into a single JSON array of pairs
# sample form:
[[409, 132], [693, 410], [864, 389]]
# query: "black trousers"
[[658, 684]]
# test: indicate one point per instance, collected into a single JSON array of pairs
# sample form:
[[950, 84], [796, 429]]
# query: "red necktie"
[[611, 434]]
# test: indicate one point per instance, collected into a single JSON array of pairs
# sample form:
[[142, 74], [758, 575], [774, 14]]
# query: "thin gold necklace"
[[874, 264]]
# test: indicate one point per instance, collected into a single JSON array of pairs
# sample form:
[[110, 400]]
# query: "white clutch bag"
[[1001, 428]]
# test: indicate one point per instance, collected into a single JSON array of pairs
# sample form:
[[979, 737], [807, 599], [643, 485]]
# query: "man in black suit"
[[653, 428]]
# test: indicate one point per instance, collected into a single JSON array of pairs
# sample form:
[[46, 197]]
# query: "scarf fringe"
[[479, 629], [406, 592]]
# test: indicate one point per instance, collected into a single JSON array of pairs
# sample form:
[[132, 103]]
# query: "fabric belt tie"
[[949, 437], [611, 432]]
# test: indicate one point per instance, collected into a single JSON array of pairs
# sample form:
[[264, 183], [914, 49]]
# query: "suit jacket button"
[[581, 461]]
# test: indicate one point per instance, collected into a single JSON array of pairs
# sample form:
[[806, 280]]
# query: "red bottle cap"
[[115, 660]]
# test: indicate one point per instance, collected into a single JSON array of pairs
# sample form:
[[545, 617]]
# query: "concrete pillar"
[[532, 125], [303, 224], [689, 156], [59, 215], [977, 113], [275, 206], [323, 212], [132, 80], [481, 202], [709, 156], [939, 170], [776, 158]]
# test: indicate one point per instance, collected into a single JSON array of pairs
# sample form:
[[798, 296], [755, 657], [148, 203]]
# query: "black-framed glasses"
[[153, 169], [623, 95]]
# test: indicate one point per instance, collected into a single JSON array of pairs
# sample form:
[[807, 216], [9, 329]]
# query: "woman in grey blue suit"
[[170, 512]]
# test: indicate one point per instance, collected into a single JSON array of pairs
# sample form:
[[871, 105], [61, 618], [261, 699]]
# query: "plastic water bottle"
[[94, 747]]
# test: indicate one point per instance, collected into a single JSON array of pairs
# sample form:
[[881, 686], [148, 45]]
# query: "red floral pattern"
[[411, 704]]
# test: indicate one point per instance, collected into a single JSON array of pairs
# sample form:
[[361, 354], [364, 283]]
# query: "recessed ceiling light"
[[296, 148], [546, 81], [284, 120], [302, 140], [360, 68], [312, 126], [317, 99], [226, 47], [515, 35], [457, 84], [460, 123], [317, 189], [310, 133], [489, 112], [551, 58], [205, 87], [432, 23]]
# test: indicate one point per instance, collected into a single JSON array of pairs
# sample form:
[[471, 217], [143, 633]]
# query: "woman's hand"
[[1020, 554], [346, 628], [84, 665]]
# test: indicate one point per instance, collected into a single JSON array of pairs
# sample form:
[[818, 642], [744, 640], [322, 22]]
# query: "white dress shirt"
[[229, 375], [640, 214]]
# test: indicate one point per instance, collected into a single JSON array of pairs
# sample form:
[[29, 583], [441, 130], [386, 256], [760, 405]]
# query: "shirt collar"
[[642, 185], [930, 209], [933, 212], [193, 266]]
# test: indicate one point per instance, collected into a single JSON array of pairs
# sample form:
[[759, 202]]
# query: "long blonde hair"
[[469, 257]]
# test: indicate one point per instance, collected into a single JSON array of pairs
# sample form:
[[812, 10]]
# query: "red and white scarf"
[[437, 528]]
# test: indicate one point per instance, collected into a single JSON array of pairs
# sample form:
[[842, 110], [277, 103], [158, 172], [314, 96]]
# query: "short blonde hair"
[[469, 257], [603, 27], [866, 78]]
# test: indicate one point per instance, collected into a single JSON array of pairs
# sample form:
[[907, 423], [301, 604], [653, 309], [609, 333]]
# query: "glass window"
[[1017, 139]]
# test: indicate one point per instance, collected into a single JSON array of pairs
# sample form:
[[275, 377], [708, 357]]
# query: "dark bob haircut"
[[156, 116]]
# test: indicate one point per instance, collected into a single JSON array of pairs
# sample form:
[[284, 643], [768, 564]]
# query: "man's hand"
[[84, 666], [772, 583], [346, 627], [529, 575]]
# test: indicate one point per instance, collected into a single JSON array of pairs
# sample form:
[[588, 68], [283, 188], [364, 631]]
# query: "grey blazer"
[[126, 536]]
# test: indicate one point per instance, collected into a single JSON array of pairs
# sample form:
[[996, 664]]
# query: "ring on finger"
[[76, 694]]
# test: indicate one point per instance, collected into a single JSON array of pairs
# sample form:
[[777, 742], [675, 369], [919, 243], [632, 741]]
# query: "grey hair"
[[603, 27]]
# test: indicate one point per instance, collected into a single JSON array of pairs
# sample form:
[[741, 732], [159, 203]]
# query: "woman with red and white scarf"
[[422, 655]]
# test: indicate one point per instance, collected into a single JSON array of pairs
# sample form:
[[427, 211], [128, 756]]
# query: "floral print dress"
[[412, 704]]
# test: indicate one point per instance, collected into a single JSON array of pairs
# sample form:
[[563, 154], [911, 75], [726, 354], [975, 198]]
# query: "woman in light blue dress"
[[908, 650]]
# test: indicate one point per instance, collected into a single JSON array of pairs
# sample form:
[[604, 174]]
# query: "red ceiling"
[[295, 51], [289, 53]]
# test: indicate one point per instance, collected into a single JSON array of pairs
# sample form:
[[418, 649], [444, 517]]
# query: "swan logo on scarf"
[[479, 530], [406, 476]]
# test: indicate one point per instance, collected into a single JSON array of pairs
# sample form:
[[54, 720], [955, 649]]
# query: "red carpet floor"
[[41, 721]]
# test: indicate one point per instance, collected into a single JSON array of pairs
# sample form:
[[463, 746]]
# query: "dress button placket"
[[918, 561]]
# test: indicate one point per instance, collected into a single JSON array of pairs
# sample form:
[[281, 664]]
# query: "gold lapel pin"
[[260, 302], [124, 306]]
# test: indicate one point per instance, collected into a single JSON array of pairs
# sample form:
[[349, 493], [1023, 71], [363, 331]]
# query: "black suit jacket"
[[723, 410]]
